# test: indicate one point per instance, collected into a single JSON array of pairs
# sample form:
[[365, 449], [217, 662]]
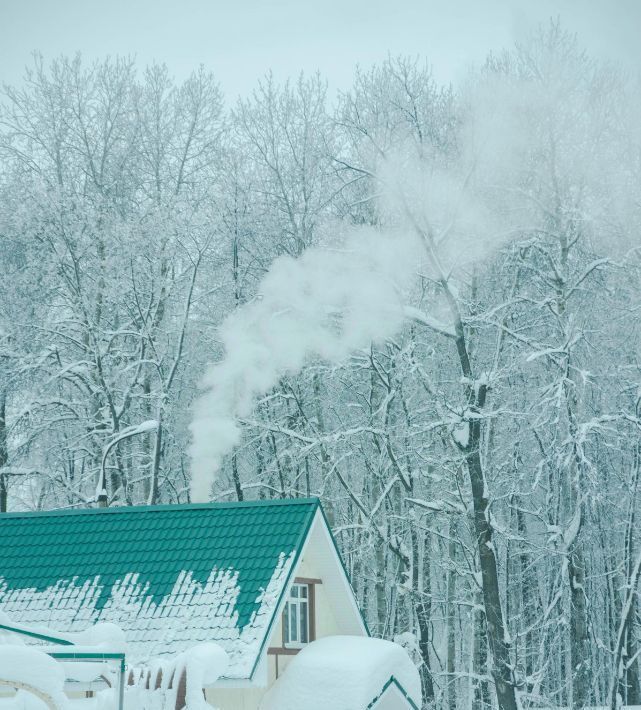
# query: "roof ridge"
[[213, 505]]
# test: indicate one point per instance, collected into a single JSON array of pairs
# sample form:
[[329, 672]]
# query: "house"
[[261, 579]]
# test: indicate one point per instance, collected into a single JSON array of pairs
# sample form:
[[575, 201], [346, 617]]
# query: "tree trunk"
[[3, 451], [626, 626], [529, 601], [476, 393], [421, 584], [236, 476], [481, 696], [155, 470], [579, 639], [451, 617], [631, 677], [496, 633], [381, 592]]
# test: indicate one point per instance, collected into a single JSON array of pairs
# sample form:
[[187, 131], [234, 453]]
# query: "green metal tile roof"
[[170, 576], [393, 682]]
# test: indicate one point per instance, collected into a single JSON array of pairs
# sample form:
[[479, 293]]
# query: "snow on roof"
[[343, 673], [170, 576]]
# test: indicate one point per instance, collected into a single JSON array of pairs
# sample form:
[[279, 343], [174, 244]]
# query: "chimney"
[[101, 498]]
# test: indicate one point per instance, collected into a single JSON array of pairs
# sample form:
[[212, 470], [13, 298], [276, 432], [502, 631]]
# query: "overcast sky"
[[240, 39]]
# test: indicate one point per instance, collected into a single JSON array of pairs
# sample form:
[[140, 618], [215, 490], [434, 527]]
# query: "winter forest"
[[420, 303]]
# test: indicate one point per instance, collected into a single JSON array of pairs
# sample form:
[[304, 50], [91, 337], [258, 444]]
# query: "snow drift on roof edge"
[[190, 614]]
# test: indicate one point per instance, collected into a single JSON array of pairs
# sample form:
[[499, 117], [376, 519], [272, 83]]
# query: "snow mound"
[[342, 673], [33, 669], [204, 664], [22, 701], [104, 636]]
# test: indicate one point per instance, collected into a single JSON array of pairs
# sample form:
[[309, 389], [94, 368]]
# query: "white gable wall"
[[336, 613], [324, 563]]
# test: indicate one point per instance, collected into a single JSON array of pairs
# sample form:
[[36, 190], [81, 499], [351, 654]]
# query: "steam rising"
[[329, 303], [520, 126], [325, 304]]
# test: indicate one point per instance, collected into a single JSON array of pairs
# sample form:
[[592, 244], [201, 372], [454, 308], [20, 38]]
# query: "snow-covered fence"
[[177, 684], [147, 690]]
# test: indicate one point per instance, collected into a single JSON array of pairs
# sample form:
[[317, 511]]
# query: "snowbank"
[[105, 700], [342, 673], [23, 701], [29, 667]]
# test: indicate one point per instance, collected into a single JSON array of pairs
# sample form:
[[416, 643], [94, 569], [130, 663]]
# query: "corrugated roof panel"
[[170, 576]]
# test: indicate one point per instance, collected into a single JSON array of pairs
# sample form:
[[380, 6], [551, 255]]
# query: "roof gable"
[[392, 696], [171, 576]]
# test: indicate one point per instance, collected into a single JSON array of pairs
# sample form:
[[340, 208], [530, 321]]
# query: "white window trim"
[[298, 602]]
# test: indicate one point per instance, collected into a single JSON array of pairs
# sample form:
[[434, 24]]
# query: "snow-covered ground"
[[26, 701]]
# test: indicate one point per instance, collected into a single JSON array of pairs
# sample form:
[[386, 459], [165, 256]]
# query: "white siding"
[[336, 613]]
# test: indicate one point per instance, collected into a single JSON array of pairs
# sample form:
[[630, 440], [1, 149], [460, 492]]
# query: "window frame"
[[298, 602]]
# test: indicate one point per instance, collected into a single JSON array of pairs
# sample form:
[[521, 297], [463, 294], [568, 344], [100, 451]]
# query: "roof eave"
[[278, 609]]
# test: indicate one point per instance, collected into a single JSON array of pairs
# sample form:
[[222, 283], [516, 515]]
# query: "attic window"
[[296, 617]]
